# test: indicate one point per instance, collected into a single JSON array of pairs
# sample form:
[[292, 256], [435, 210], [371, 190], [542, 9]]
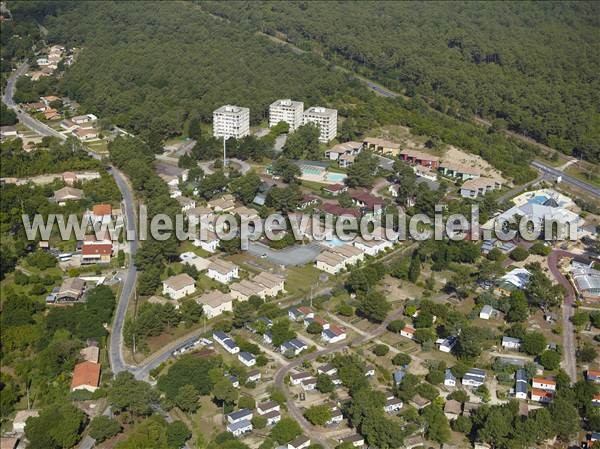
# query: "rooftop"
[[86, 374], [179, 282]]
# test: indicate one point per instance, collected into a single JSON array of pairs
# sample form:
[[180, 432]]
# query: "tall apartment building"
[[325, 118], [286, 111], [231, 121]]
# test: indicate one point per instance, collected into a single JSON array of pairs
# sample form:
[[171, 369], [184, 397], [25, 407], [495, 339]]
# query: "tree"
[[8, 117], [225, 392], [540, 249], [414, 270], [459, 395], [314, 328], [303, 143], [187, 398], [260, 422], [519, 309], [324, 383], [286, 170], [396, 326], [401, 359], [565, 418], [126, 394], [102, 428], [381, 350], [194, 131], [243, 313], [246, 402], [177, 434], [346, 310], [362, 171], [462, 424], [281, 332], [191, 311], [318, 414], [519, 254], [533, 343], [373, 306], [438, 428], [58, 426], [246, 187], [580, 319], [286, 430], [471, 341], [550, 359], [587, 353]]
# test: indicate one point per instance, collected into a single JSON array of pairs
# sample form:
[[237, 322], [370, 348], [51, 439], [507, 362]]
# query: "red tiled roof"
[[544, 380], [102, 249], [86, 373], [334, 209], [335, 187], [369, 200], [102, 209]]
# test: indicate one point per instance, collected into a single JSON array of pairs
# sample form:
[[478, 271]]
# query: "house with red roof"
[[86, 376], [335, 189]]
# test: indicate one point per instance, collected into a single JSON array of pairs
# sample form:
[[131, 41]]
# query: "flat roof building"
[[288, 111], [231, 121], [325, 119]]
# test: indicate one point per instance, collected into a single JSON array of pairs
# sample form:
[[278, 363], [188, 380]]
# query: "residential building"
[[452, 409], [71, 290], [100, 214], [240, 415], [301, 442], [336, 417], [333, 335], [297, 378], [309, 384], [81, 119], [231, 121], [61, 196], [254, 376], [543, 383], [226, 342], [419, 402], [272, 417], [288, 111], [459, 171], [381, 146], [239, 428], [330, 262], [398, 376], [474, 378], [587, 279], [327, 369], [308, 201], [186, 203], [337, 210], [373, 247], [351, 254], [86, 376], [224, 203], [521, 384], [209, 244], [543, 396], [222, 271], [85, 133], [299, 313], [369, 371], [325, 119], [244, 289], [192, 259], [393, 405], [473, 188], [347, 148], [446, 344], [408, 332], [9, 442], [449, 378], [90, 354], [247, 359], [266, 407], [367, 203], [97, 253], [294, 346], [414, 157], [20, 420], [179, 286], [356, 440], [8, 131], [273, 283], [425, 172], [316, 319], [214, 303], [486, 312], [511, 343], [335, 189], [513, 280], [593, 375]]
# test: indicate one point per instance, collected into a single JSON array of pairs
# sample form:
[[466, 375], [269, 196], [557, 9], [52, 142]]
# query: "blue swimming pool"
[[334, 242], [335, 177], [540, 199]]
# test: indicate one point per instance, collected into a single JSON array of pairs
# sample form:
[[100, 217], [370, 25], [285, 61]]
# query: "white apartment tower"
[[231, 121], [286, 111], [325, 118]]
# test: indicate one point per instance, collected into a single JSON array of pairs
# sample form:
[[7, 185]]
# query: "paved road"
[[568, 332], [311, 431], [595, 191], [292, 256]]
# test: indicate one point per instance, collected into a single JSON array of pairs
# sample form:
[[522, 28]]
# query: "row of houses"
[[329, 334]]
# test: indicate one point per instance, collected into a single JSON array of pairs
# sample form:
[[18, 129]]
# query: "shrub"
[[381, 350]]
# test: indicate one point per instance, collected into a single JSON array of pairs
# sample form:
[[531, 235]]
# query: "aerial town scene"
[[300, 225]]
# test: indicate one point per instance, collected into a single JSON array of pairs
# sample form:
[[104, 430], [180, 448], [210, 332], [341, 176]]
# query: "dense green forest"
[[533, 66]]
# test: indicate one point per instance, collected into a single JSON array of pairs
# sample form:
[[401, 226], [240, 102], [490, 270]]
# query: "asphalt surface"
[[292, 256], [595, 191]]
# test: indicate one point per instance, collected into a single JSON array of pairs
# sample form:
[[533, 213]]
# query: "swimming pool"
[[335, 177], [311, 170], [540, 199]]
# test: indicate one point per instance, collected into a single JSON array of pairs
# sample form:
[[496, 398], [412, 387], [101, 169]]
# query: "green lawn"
[[300, 279], [187, 246]]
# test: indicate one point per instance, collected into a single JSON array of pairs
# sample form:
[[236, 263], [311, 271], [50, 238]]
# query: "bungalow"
[[449, 378], [330, 262], [473, 188], [419, 402], [86, 376], [20, 421], [210, 243], [543, 396], [333, 335], [336, 417], [309, 384], [272, 283], [186, 203], [511, 343], [381, 146], [327, 369], [192, 259], [474, 378], [266, 407], [521, 383], [243, 290], [446, 344], [98, 253], [214, 303], [346, 148], [71, 290], [90, 354], [393, 405], [222, 271], [414, 157], [301, 442], [460, 171], [335, 189], [356, 440], [179, 286], [81, 119], [486, 312], [254, 376], [226, 342], [299, 313], [543, 383], [373, 247], [297, 378], [224, 204], [452, 409], [346, 160], [239, 428], [239, 415], [100, 214], [61, 196], [317, 319], [307, 201], [367, 202], [85, 133], [593, 375], [247, 359], [408, 332], [294, 346], [517, 278], [268, 338], [272, 417]]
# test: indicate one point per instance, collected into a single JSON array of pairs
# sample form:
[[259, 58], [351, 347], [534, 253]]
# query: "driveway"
[[292, 256]]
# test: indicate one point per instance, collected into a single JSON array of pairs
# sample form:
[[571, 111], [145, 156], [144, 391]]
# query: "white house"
[[446, 344], [486, 312], [297, 378], [299, 313], [299, 443], [214, 303], [330, 262], [176, 287], [309, 384], [239, 428], [356, 440], [393, 405], [543, 383], [327, 369], [272, 417], [373, 247], [247, 359], [294, 346], [543, 396], [408, 332], [521, 384], [226, 342], [186, 203], [333, 334], [268, 406], [222, 271], [254, 376], [449, 378], [210, 243], [511, 343], [336, 417], [240, 415], [192, 259], [474, 378]]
